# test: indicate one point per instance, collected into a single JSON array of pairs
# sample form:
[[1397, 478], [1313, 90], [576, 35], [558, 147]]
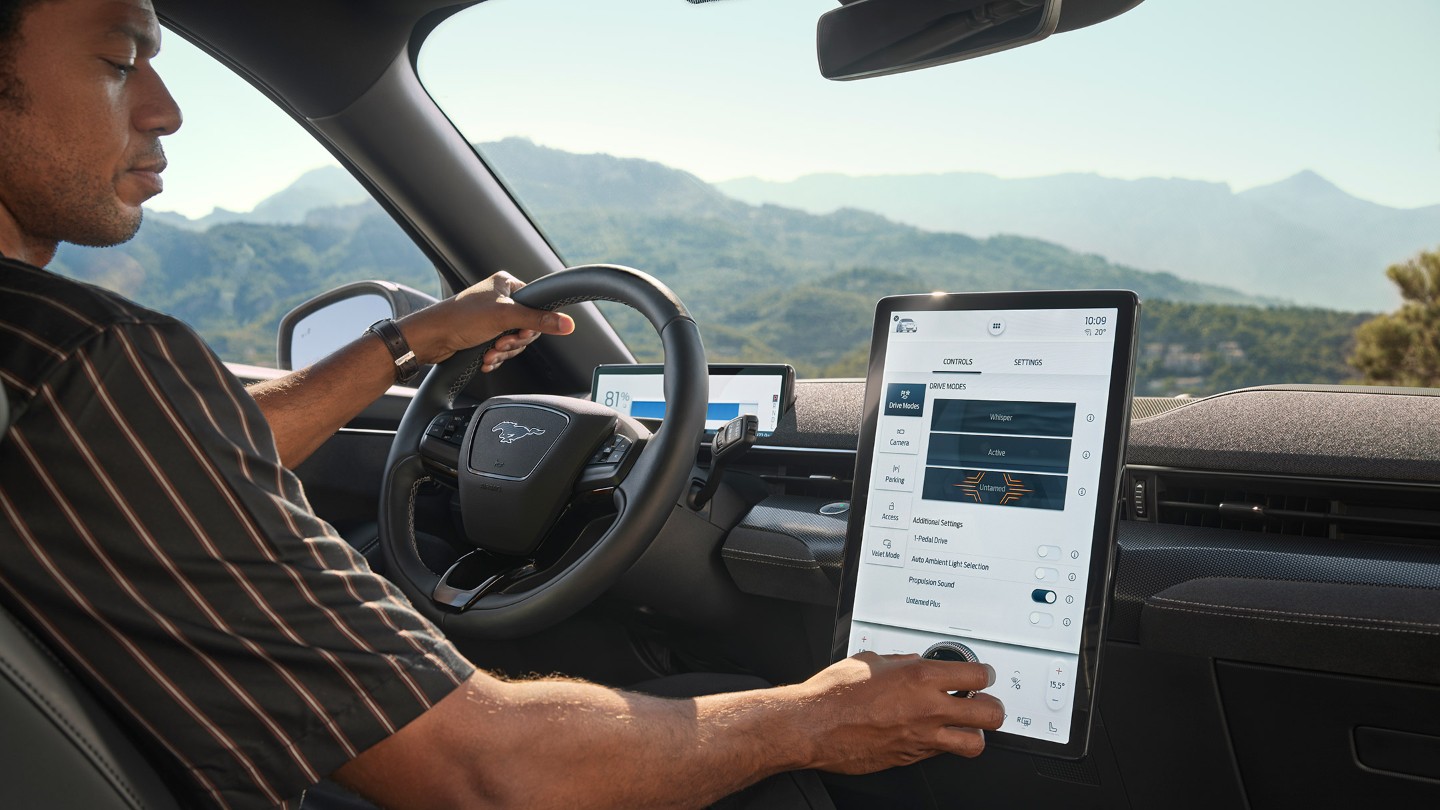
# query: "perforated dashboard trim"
[[1372, 434]]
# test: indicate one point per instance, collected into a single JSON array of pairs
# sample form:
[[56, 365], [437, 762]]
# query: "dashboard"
[[1277, 552]]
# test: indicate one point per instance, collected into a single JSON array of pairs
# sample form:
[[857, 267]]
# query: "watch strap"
[[406, 364]]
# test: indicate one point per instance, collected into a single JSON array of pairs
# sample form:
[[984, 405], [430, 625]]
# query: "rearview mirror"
[[332, 319], [865, 38]]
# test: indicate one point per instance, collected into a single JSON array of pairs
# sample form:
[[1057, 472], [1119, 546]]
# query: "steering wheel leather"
[[643, 500]]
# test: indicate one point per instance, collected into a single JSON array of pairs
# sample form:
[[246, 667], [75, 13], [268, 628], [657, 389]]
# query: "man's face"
[[81, 149]]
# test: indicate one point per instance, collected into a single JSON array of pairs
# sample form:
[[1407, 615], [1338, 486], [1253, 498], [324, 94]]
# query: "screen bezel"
[[1102, 556], [784, 372]]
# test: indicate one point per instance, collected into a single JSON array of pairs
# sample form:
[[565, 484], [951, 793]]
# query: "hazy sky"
[[1245, 92]]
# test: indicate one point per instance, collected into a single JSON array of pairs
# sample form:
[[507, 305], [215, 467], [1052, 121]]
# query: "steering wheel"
[[523, 464]]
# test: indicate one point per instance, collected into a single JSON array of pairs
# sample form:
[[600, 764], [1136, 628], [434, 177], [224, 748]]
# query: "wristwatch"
[[406, 366]]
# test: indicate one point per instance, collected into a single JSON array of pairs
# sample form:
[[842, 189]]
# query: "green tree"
[[1403, 347]]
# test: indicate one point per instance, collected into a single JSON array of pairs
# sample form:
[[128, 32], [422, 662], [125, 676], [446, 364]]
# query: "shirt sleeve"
[[173, 561]]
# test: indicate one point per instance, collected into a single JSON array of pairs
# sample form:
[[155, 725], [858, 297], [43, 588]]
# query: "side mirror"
[[333, 318]]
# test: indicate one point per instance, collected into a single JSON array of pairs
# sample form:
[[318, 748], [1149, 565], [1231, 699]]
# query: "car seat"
[[59, 748]]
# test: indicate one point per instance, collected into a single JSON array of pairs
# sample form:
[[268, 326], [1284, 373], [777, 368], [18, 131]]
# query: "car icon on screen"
[[904, 325]]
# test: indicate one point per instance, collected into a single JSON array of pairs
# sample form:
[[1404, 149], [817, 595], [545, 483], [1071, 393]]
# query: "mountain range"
[[1302, 239], [770, 283]]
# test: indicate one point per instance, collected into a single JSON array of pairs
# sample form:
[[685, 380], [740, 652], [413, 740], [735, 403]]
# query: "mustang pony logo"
[[511, 432]]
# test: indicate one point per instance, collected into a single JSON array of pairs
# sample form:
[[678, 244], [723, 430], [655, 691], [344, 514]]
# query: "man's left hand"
[[477, 315]]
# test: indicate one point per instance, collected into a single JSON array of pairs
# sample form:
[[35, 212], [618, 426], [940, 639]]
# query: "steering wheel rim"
[[643, 500]]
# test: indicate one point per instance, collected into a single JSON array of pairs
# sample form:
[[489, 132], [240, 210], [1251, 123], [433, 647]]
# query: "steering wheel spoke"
[[475, 575], [444, 437]]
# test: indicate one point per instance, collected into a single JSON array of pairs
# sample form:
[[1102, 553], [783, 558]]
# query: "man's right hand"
[[871, 712]]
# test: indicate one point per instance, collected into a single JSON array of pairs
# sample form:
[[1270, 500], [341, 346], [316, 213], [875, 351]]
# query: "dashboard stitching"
[[788, 562], [1231, 612], [1240, 608]]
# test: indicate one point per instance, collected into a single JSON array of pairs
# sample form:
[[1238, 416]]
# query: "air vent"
[[1301, 507]]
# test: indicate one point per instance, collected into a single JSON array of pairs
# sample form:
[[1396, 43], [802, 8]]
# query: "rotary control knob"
[[952, 651]]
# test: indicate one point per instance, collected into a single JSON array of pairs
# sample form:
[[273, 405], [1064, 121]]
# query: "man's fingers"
[[958, 676], [511, 344], [523, 319], [967, 742], [981, 711], [536, 320], [554, 323]]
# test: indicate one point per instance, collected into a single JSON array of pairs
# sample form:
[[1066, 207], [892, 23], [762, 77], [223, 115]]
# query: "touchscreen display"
[[638, 391], [991, 476]]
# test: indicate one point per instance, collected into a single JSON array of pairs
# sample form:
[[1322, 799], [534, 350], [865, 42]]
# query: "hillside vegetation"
[[766, 283]]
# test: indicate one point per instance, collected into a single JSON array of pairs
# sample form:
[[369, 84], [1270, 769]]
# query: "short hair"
[[12, 13]]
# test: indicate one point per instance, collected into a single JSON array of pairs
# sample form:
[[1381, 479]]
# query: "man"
[[151, 533]]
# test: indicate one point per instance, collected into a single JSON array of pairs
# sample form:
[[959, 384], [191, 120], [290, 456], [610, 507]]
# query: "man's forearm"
[[626, 750], [568, 744], [306, 407], [571, 744]]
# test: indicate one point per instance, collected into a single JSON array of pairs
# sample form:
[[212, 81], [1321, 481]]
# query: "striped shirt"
[[150, 534]]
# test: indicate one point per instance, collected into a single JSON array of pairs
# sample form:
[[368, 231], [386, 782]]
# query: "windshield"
[[1251, 169]]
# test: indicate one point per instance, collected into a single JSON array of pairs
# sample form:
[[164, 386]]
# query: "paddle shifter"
[[730, 442]]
